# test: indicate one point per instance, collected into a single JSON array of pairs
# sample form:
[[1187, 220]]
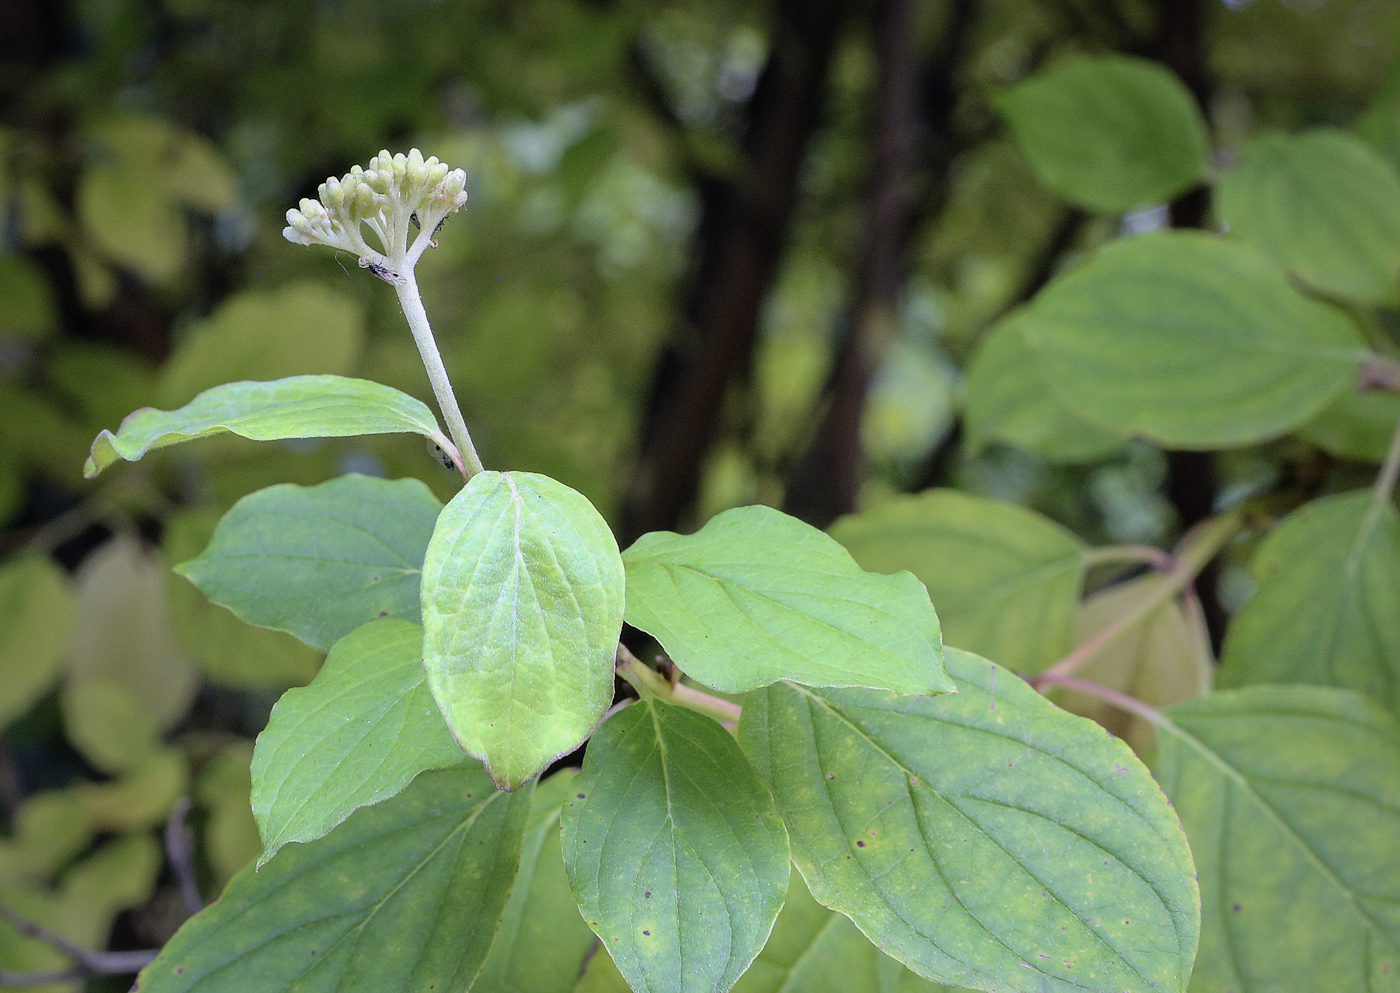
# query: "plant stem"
[[1381, 371], [1118, 699], [1129, 555], [412, 304], [649, 682], [1385, 483], [1196, 548]]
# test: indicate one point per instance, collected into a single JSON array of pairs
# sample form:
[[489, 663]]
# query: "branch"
[[86, 963], [649, 682], [180, 853]]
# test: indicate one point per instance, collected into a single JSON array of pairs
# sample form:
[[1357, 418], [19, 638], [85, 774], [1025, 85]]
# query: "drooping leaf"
[[1163, 659], [522, 605], [1288, 795], [1005, 579], [1191, 340], [297, 330], [543, 943], [36, 616], [298, 407], [987, 839], [1109, 132], [358, 734], [675, 851], [1325, 206], [227, 650], [815, 950], [1007, 401], [1326, 611], [1357, 426], [405, 895], [756, 596], [320, 561]]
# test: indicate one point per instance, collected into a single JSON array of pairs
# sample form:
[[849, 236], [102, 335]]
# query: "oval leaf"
[[1005, 579], [1288, 795], [756, 596], [297, 407], [675, 851], [1190, 340], [357, 735], [522, 606], [987, 839], [1109, 132], [1325, 206], [36, 614], [319, 561], [1326, 611], [405, 895]]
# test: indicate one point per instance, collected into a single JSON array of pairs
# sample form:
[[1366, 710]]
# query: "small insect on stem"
[[442, 456], [388, 275]]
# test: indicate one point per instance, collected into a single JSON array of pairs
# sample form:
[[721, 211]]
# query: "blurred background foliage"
[[715, 253]]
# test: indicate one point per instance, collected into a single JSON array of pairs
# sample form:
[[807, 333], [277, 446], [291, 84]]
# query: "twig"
[[1130, 555], [649, 682], [1118, 699], [86, 963], [180, 853], [1380, 372]]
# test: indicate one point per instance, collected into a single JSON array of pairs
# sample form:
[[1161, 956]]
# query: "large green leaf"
[[1191, 340], [404, 896], [1289, 797], [1325, 206], [543, 942], [1008, 401], [298, 407], [1005, 579], [987, 839], [358, 734], [1327, 609], [756, 596], [522, 605], [675, 851], [1109, 132], [36, 613], [319, 561], [1357, 426], [815, 950]]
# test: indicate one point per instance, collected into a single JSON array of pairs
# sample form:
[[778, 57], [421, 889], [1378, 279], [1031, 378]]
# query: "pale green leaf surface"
[[224, 789], [1109, 132], [1007, 401], [543, 943], [300, 329], [297, 407], [1325, 206], [675, 850], [522, 601], [36, 615], [131, 221], [1191, 340], [1290, 796], [985, 839], [358, 734], [404, 896], [320, 561], [756, 596], [48, 830], [1005, 579], [108, 725], [1327, 610], [142, 798], [1357, 426]]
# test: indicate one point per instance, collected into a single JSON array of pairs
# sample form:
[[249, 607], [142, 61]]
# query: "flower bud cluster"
[[383, 197]]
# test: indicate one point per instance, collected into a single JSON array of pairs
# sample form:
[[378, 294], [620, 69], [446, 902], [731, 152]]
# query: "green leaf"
[[675, 851], [357, 735], [1007, 401], [29, 306], [36, 615], [224, 789], [298, 407], [258, 335], [1357, 426], [319, 561], [756, 596], [405, 895], [140, 799], [131, 220], [1288, 795], [815, 950], [1109, 132], [543, 943], [522, 605], [1323, 205], [1005, 579], [108, 725], [987, 839], [1326, 611], [1191, 340]]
